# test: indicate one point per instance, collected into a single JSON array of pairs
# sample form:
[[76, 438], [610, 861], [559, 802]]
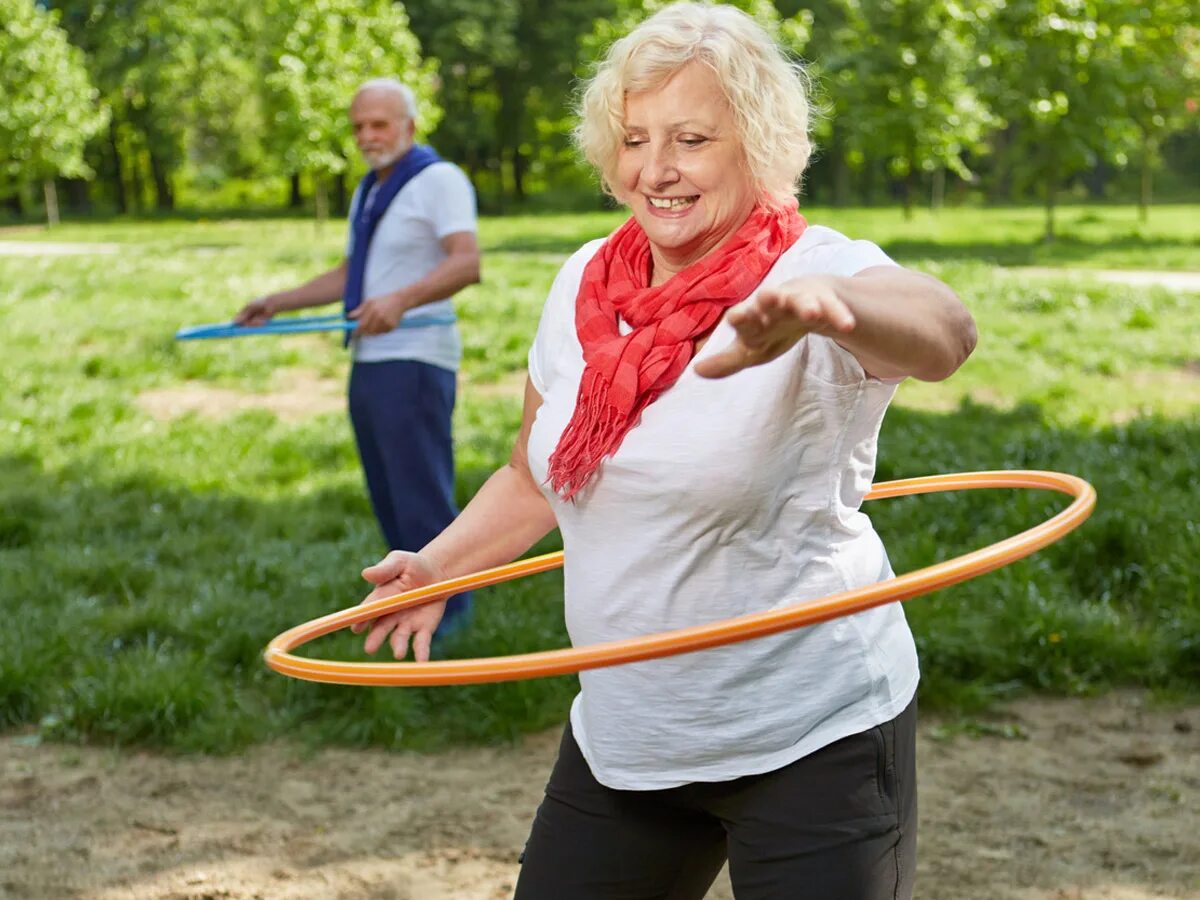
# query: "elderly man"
[[412, 246]]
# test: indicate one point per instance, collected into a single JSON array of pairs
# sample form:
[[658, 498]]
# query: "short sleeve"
[[852, 257], [556, 327], [828, 252], [450, 200]]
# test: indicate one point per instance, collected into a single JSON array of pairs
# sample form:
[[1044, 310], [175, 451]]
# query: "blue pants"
[[401, 411]]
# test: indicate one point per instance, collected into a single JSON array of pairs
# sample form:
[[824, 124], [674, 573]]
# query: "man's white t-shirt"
[[438, 201], [729, 497]]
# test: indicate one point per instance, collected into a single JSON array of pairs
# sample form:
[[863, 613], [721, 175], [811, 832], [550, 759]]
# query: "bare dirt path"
[[1051, 800], [52, 248], [1175, 280]]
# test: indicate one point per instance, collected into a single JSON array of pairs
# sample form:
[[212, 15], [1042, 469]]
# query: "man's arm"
[[325, 288], [459, 268]]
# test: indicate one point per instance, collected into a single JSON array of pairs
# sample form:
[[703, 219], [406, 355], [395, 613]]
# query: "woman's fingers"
[[768, 324], [387, 589], [399, 641], [422, 640], [380, 629], [387, 569], [720, 365]]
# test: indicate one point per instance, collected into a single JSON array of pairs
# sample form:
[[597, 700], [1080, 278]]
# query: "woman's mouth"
[[672, 204]]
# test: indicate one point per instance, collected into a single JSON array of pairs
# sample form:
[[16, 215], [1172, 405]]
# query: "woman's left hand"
[[774, 319]]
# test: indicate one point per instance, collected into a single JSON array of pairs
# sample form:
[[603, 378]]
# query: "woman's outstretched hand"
[[396, 573], [774, 319]]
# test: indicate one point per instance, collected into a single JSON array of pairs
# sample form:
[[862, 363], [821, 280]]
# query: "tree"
[[900, 87], [48, 108], [1052, 75], [179, 81], [1159, 65], [507, 71], [323, 50]]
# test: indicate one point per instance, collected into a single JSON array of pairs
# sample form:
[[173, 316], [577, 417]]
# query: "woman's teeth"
[[671, 202]]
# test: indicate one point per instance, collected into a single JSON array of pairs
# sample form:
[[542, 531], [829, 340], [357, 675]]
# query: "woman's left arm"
[[894, 321]]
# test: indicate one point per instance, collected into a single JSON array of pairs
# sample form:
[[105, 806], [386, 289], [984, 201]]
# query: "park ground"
[[1046, 799]]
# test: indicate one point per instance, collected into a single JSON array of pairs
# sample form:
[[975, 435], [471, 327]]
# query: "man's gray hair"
[[396, 87]]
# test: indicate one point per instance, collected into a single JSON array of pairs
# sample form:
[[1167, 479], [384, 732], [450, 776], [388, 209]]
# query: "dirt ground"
[[1053, 799]]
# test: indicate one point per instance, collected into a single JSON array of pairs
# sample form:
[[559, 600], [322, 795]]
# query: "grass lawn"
[[148, 553]]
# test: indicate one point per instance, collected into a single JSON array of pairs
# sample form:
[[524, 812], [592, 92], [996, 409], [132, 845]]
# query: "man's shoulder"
[[443, 173]]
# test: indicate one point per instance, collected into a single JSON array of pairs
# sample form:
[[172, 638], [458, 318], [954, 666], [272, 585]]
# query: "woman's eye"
[[634, 142], [692, 141]]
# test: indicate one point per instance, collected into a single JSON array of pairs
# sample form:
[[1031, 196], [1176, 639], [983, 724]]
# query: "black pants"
[[839, 824]]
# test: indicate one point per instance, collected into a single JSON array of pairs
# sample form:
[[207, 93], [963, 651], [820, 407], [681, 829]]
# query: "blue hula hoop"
[[295, 325]]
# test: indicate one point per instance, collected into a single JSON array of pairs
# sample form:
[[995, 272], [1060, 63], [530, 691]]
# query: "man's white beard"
[[381, 159]]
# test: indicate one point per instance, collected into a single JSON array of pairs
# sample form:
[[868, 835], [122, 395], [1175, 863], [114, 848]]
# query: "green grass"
[[1092, 236], [145, 562]]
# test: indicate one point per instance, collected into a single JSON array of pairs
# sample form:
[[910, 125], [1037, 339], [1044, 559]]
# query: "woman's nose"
[[660, 168]]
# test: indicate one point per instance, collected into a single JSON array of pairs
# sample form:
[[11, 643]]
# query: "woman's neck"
[[666, 263]]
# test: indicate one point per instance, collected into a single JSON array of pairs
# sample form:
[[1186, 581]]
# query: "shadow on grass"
[[137, 611]]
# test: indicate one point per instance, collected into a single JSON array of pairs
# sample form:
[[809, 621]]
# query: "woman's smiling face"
[[682, 170]]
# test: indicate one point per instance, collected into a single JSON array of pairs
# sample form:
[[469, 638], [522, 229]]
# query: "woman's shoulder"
[[570, 273], [580, 258], [824, 250]]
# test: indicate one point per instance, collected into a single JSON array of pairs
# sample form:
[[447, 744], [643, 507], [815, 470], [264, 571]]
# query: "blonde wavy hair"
[[767, 92]]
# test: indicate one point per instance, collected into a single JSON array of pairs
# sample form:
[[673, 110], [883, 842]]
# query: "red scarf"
[[623, 374]]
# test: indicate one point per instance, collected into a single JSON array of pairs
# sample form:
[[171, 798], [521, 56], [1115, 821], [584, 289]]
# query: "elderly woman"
[[705, 391]]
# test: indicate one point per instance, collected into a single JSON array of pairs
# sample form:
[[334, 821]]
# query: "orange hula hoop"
[[683, 640]]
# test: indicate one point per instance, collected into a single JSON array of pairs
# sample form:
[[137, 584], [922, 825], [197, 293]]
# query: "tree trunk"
[[295, 198], [519, 164], [1001, 182], [341, 202], [118, 168], [1147, 188], [868, 181], [1051, 197], [138, 192], [909, 190], [164, 196], [322, 199], [937, 195], [51, 194], [841, 169]]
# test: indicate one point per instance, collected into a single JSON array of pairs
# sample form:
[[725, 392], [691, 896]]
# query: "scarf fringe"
[[594, 432]]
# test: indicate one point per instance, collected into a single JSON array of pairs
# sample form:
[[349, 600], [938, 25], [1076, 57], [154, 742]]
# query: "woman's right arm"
[[504, 519]]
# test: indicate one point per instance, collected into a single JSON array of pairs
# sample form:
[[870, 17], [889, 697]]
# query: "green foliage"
[[218, 101], [320, 51], [146, 559], [506, 79], [48, 107], [180, 78], [910, 63]]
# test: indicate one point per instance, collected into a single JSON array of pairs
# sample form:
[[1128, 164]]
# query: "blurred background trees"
[[136, 106]]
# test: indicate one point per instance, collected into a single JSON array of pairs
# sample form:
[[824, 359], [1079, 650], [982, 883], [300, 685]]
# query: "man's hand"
[[396, 573], [379, 315], [257, 312], [774, 319]]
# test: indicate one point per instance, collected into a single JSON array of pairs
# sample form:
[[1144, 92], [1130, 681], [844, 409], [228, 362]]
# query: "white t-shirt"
[[729, 497], [438, 201]]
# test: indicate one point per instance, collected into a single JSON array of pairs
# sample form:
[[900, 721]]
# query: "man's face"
[[382, 130]]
